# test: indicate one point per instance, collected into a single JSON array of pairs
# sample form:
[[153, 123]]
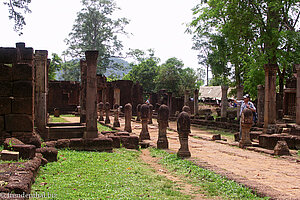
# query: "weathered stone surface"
[[25, 151], [5, 105], [216, 137], [162, 119], [107, 110], [11, 141], [22, 72], [8, 55], [116, 116], [62, 143], [130, 142], [150, 114], [184, 129], [101, 110], [144, 135], [49, 153], [22, 89], [9, 155], [5, 73], [246, 124], [18, 123], [22, 105], [281, 149], [98, 144], [138, 110], [116, 141], [2, 124], [122, 133], [128, 116], [6, 89]]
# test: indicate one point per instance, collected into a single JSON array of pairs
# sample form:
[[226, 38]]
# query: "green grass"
[[19, 161], [94, 175], [214, 184], [57, 119], [103, 128], [226, 134], [1, 148]]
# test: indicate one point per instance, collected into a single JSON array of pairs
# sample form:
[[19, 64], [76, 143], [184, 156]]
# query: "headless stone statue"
[[150, 114], [138, 112], [107, 109], [184, 129], [246, 124], [162, 119], [144, 116], [128, 116], [101, 111], [116, 116]]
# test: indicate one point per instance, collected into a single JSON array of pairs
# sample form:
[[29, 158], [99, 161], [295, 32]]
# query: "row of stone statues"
[[144, 114]]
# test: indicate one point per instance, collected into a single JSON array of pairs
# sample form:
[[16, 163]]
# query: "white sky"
[[156, 24]]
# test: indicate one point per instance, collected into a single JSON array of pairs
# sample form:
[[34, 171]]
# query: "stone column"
[[101, 110], [83, 71], [270, 96], [138, 112], [298, 95], [107, 110], [41, 91], [162, 119], [224, 101], [196, 106], [170, 102], [184, 129], [246, 123], [150, 114], [91, 95], [128, 116], [186, 97], [144, 135], [239, 95], [117, 96], [260, 104], [116, 116]]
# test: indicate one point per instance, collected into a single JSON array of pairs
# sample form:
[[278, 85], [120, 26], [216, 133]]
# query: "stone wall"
[[16, 93]]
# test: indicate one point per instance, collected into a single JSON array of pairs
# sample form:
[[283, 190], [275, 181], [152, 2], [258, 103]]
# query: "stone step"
[[66, 132], [286, 130]]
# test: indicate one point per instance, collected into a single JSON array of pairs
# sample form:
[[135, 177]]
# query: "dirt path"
[[185, 187], [275, 177]]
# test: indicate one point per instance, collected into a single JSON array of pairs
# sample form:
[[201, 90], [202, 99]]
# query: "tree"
[[94, 29], [17, 9], [70, 71], [55, 66]]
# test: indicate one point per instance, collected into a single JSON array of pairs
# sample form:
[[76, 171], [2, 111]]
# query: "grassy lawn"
[[226, 134], [94, 175], [58, 119], [103, 128], [215, 185]]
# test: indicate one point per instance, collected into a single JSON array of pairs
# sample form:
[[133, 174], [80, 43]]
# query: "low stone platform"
[[270, 141]]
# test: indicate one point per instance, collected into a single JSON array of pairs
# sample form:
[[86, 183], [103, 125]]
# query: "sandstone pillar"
[[224, 101], [170, 102], [239, 95], [107, 110], [184, 129], [101, 111], [83, 71], [144, 135], [246, 123], [196, 105], [138, 112], [117, 96], [162, 119], [186, 97], [116, 116], [150, 114], [298, 95], [41, 91], [260, 104], [91, 95], [128, 116], [270, 96]]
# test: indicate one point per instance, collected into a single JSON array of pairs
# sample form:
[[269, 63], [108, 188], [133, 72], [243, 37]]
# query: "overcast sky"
[[156, 24]]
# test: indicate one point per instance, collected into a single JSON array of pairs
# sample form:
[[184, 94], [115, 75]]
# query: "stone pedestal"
[[128, 116], [162, 119], [224, 101], [101, 111], [41, 92], [186, 97], [239, 94], [83, 71], [150, 114], [107, 110], [91, 95], [270, 96], [138, 112], [246, 123], [184, 129], [116, 116], [144, 135], [260, 104], [196, 105], [298, 95]]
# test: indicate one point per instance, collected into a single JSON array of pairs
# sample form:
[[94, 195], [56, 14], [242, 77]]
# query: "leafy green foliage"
[[94, 175], [95, 29], [17, 9], [214, 184], [70, 71], [57, 119], [55, 66]]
